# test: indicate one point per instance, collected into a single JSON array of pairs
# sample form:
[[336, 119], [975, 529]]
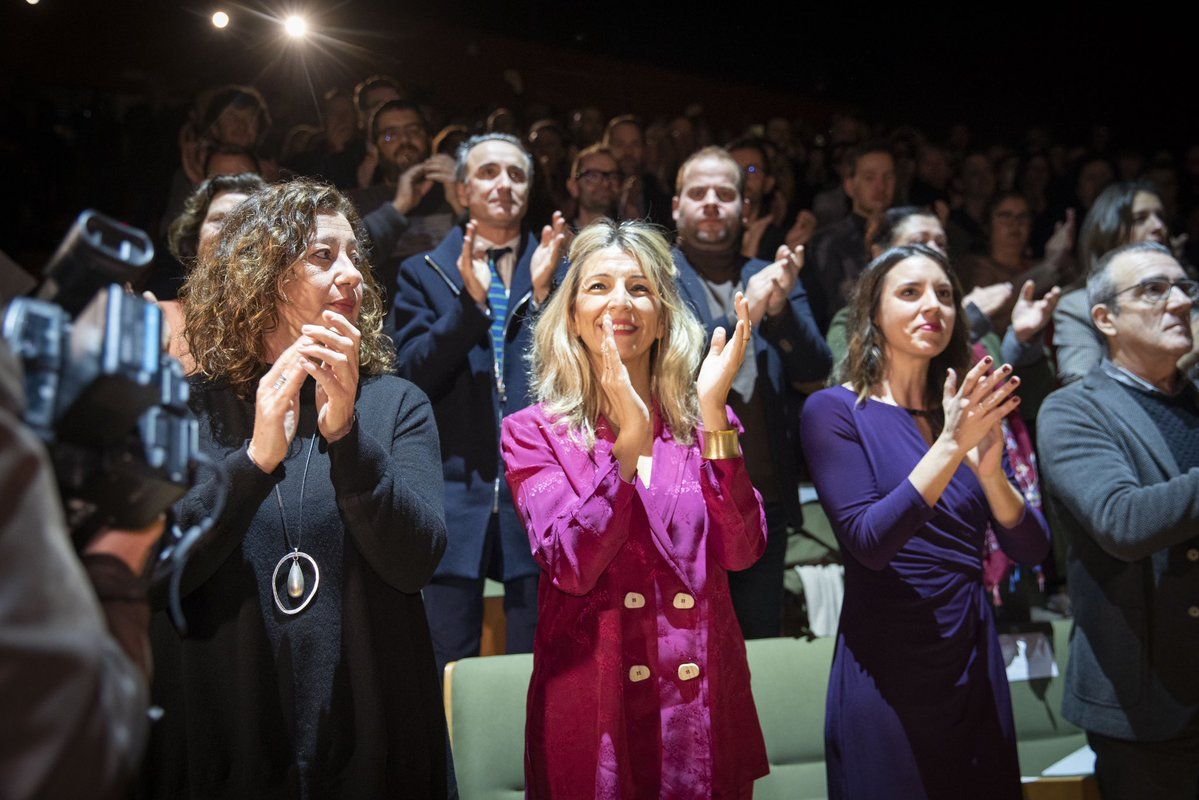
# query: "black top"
[[1178, 420], [341, 699]]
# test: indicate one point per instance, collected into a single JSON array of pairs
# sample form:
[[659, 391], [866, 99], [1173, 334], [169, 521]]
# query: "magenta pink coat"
[[640, 685]]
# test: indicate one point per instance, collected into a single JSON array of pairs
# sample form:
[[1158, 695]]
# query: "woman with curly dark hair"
[[307, 669], [907, 457]]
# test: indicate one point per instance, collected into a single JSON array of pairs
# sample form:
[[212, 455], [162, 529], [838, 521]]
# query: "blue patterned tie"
[[497, 298]]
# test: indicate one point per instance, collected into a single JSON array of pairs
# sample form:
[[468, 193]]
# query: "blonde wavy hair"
[[231, 298], [560, 369]]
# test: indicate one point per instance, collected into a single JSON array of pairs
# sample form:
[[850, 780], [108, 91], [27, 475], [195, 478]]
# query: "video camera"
[[109, 403]]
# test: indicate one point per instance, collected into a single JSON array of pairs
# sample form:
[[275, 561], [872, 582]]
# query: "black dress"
[[341, 700]]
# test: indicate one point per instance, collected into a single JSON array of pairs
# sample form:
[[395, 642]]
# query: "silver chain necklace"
[[295, 575]]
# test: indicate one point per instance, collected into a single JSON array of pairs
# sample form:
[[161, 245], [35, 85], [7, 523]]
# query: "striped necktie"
[[497, 298]]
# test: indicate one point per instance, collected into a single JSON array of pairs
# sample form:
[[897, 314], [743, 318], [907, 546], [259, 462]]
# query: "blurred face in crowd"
[[708, 210], [682, 134], [1151, 330], [496, 189], [230, 164], [753, 163], [628, 144], [237, 126], [326, 277], [1148, 219], [1011, 224], [587, 125], [923, 229], [341, 121], [547, 147], [916, 310], [1093, 179], [1035, 178], [597, 186], [978, 177], [402, 140], [871, 183], [214, 218], [613, 283], [933, 167]]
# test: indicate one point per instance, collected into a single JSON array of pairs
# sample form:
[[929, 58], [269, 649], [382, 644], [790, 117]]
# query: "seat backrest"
[[790, 681], [486, 702], [1043, 735]]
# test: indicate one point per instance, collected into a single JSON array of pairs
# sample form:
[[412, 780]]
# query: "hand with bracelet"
[[716, 377]]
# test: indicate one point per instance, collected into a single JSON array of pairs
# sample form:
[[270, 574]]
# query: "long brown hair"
[[865, 364], [231, 299]]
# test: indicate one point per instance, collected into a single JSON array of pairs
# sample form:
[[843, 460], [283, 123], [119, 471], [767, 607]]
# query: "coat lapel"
[[446, 256], [659, 502]]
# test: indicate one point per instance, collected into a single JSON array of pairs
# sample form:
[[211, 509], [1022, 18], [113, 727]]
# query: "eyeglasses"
[[594, 176], [1156, 290]]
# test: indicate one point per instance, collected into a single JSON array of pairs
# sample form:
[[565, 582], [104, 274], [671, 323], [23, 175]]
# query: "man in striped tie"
[[463, 315]]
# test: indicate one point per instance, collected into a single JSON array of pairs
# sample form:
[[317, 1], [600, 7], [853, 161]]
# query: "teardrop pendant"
[[295, 580]]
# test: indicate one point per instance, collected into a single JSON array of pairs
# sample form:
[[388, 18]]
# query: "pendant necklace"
[[295, 575]]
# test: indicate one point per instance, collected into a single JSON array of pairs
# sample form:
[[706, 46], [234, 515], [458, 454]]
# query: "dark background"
[[92, 93]]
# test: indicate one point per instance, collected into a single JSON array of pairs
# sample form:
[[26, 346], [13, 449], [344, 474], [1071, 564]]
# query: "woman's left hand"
[[332, 359], [720, 367], [986, 459]]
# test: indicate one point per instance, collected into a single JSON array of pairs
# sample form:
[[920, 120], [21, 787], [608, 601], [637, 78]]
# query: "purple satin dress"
[[918, 702]]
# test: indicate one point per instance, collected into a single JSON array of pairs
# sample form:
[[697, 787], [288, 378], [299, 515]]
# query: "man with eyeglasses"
[[418, 188], [1119, 453], [594, 184], [788, 353], [463, 317]]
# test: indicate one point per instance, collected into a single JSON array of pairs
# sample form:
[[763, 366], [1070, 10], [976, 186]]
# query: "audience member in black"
[[594, 185], [336, 155], [417, 187], [547, 144], [763, 228], [502, 121], [967, 227], [1009, 260], [1119, 455], [463, 317], [73, 636], [641, 197], [1124, 213], [933, 175], [372, 92], [586, 126], [839, 252], [449, 139], [788, 353], [307, 669]]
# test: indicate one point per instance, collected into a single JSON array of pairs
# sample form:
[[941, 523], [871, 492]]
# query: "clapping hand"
[[720, 368], [1062, 240], [766, 292], [1029, 316], [330, 355], [416, 181], [276, 408], [973, 411], [803, 229], [625, 409], [476, 274], [546, 257], [366, 170]]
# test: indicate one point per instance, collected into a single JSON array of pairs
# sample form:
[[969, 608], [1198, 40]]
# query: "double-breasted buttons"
[[638, 673], [684, 600], [1193, 611], [688, 671], [634, 600], [1193, 554]]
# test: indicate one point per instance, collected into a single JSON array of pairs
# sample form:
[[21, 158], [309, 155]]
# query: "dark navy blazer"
[[789, 350], [444, 346]]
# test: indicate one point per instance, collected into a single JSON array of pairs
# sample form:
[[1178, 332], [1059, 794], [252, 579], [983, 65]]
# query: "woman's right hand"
[[975, 407], [625, 408], [276, 408]]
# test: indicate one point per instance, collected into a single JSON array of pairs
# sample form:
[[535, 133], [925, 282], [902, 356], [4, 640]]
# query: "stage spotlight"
[[220, 19], [32, 2], [296, 27]]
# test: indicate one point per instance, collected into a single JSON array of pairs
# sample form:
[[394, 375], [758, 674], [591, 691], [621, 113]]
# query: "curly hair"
[[183, 239], [560, 368], [865, 364], [232, 297]]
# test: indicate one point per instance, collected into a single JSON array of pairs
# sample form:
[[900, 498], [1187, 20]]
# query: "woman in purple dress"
[[907, 456]]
